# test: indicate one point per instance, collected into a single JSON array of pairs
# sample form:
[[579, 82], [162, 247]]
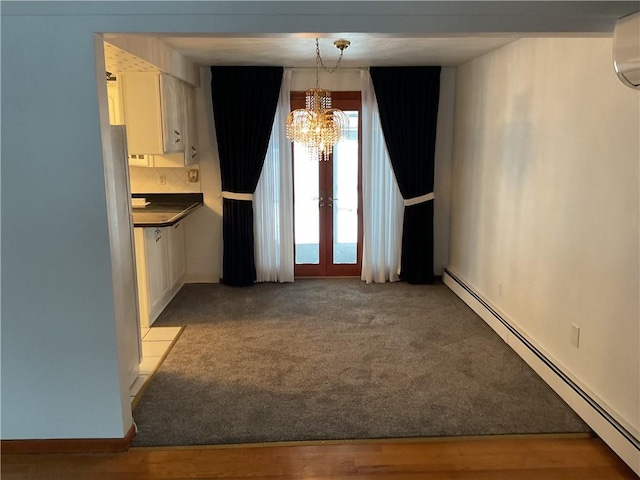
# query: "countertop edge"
[[172, 221], [195, 199]]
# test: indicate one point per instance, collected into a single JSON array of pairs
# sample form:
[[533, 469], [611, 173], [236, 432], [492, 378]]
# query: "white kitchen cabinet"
[[160, 265], [172, 114], [190, 124], [152, 112], [189, 129], [177, 256], [116, 117], [156, 245]]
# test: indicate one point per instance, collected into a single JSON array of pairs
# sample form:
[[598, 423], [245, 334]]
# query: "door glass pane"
[[345, 195], [306, 211]]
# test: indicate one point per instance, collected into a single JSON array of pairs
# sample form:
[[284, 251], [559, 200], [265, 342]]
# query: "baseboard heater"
[[631, 452]]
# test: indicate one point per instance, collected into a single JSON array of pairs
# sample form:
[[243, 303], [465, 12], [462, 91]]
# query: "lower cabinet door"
[[177, 257], [161, 265], [156, 246]]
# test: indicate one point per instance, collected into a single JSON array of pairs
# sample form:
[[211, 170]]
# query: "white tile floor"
[[156, 341]]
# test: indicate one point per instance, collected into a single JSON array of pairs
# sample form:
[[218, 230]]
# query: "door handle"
[[320, 201], [331, 200]]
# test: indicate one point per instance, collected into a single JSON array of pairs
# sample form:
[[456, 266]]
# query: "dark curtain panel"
[[408, 104], [244, 105]]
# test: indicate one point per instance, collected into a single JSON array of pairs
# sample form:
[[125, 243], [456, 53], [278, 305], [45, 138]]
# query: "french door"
[[328, 200]]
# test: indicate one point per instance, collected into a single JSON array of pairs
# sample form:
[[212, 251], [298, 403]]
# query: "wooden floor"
[[512, 458]]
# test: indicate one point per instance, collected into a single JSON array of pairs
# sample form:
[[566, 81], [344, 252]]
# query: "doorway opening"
[[328, 200]]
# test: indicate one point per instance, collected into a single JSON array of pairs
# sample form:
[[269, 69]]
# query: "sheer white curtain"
[[273, 200], [383, 206]]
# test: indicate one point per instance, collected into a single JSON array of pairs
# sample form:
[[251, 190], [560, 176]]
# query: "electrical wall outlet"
[[575, 336], [193, 175], [162, 179]]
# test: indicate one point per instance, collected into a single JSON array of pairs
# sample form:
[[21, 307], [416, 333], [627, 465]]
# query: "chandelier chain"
[[320, 62]]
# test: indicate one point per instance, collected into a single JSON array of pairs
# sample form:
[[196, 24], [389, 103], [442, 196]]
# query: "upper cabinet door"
[[142, 112], [172, 116], [190, 124], [160, 114], [152, 111]]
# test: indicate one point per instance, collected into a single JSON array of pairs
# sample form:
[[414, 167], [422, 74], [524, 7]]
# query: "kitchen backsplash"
[[148, 180]]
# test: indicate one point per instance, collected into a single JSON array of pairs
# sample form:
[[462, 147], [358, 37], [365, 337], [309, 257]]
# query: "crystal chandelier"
[[318, 126]]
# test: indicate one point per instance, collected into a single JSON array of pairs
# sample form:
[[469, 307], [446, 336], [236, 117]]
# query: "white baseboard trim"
[[620, 439], [195, 278]]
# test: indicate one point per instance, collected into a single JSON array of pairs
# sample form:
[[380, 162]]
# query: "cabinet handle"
[[176, 225], [194, 152]]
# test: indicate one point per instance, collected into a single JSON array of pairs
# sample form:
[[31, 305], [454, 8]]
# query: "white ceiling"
[[445, 33], [365, 49], [118, 60]]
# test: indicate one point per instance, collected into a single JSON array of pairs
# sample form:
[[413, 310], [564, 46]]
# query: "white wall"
[[203, 228], [60, 375], [146, 180], [442, 169], [545, 210], [342, 80]]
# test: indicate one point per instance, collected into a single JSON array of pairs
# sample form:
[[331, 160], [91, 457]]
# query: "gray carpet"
[[338, 359]]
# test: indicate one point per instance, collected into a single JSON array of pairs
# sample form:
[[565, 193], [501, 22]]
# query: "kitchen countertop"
[[165, 209]]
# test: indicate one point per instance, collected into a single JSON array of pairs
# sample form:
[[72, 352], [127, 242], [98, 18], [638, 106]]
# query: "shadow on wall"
[[515, 168], [494, 147]]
